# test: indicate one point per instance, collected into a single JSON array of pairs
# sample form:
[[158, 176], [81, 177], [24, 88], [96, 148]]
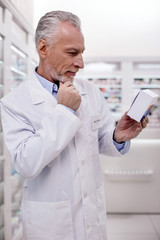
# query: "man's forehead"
[[70, 36], [65, 29]]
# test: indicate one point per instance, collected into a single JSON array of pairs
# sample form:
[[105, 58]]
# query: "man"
[[54, 127]]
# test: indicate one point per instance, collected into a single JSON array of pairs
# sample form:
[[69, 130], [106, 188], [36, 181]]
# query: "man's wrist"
[[120, 141]]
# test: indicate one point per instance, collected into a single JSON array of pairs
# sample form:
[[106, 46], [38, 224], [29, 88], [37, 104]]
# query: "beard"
[[57, 77]]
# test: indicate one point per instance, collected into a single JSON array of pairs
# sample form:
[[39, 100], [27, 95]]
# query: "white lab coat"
[[57, 154]]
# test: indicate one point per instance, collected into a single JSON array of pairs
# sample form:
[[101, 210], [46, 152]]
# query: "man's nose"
[[79, 61]]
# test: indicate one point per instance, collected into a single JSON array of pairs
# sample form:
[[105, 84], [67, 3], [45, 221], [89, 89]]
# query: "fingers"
[[69, 96], [72, 87], [144, 122], [126, 117], [68, 84], [65, 84]]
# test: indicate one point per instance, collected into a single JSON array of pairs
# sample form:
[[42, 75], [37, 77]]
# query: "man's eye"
[[72, 53]]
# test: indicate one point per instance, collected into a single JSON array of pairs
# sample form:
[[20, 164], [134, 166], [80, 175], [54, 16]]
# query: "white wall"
[[113, 27]]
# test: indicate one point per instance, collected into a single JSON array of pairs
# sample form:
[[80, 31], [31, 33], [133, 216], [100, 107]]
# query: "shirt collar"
[[49, 86]]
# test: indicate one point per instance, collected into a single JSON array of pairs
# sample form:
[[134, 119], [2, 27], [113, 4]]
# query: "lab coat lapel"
[[80, 137], [82, 91], [39, 95]]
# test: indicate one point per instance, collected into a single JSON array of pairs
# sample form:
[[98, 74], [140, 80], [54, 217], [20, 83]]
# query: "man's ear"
[[42, 48]]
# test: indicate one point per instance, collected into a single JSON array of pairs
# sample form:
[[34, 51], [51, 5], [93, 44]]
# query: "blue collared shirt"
[[49, 86], [53, 89]]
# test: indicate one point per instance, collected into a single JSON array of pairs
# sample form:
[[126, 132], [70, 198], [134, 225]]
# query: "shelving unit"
[[120, 79], [108, 77], [17, 59], [147, 76], [111, 88]]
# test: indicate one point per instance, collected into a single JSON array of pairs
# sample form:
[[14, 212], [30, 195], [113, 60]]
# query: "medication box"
[[142, 104]]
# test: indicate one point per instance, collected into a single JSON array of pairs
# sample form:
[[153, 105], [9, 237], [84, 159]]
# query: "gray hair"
[[48, 24]]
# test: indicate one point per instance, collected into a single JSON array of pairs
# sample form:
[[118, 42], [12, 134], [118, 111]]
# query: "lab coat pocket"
[[101, 212], [48, 220]]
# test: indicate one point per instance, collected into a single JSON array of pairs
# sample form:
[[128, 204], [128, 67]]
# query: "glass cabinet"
[[1, 149], [18, 66]]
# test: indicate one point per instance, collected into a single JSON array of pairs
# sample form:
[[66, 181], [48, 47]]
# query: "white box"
[[142, 104]]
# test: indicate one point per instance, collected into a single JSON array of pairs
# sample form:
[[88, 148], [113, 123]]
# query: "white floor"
[[133, 227]]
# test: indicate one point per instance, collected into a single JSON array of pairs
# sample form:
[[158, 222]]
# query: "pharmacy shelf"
[[147, 74], [129, 79], [19, 57], [98, 77], [146, 86], [108, 86]]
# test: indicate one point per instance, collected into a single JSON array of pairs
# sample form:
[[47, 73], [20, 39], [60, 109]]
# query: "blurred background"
[[122, 57]]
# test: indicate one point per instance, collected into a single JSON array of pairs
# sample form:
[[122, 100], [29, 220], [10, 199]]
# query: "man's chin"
[[65, 79]]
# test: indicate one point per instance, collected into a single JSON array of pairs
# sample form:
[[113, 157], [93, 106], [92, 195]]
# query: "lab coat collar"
[[79, 84], [38, 92], [40, 95], [80, 87]]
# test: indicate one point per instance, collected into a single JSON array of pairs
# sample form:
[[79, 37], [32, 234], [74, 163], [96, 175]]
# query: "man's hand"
[[128, 128], [68, 96]]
